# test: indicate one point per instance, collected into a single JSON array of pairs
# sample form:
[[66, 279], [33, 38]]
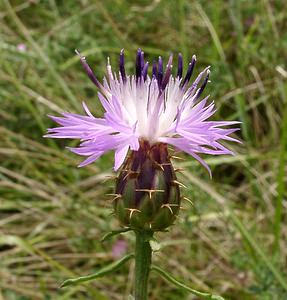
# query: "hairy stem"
[[143, 261]]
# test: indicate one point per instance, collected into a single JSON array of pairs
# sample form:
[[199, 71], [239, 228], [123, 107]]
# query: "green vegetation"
[[233, 240]]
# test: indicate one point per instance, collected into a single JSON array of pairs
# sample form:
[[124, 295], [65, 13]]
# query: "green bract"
[[147, 192]]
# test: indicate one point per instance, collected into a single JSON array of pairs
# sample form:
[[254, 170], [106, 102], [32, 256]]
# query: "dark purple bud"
[[122, 66], [167, 73], [89, 71], [189, 71], [160, 71], [201, 89], [154, 70], [144, 71], [180, 66]]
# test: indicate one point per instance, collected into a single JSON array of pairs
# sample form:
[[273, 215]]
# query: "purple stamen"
[[201, 89], [154, 70], [122, 66], [142, 60], [180, 66], [89, 71], [167, 73], [144, 71], [138, 64], [189, 71], [160, 71]]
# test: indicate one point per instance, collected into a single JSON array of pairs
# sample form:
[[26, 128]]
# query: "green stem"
[[143, 261]]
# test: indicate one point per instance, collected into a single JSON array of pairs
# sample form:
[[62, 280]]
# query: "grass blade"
[[241, 228]]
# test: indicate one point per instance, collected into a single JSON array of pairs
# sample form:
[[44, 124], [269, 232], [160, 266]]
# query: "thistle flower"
[[160, 108], [144, 113]]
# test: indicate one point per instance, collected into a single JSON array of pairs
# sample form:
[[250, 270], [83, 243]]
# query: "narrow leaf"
[[182, 286], [102, 272], [114, 232]]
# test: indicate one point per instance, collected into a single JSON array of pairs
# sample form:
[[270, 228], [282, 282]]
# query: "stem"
[[143, 261]]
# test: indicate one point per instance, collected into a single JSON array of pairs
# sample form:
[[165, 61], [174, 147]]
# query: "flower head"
[[156, 108]]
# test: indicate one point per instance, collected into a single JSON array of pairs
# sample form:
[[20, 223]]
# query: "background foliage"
[[52, 215]]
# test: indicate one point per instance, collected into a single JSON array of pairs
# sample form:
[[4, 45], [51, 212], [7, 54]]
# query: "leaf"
[[114, 232], [182, 286], [102, 272]]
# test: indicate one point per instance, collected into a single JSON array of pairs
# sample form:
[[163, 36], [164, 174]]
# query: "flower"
[[144, 114], [119, 248], [21, 47], [159, 108]]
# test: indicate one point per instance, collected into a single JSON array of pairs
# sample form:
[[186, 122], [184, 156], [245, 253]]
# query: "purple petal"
[[120, 155], [91, 159]]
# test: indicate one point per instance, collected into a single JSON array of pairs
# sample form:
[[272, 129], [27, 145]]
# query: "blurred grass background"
[[232, 241]]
